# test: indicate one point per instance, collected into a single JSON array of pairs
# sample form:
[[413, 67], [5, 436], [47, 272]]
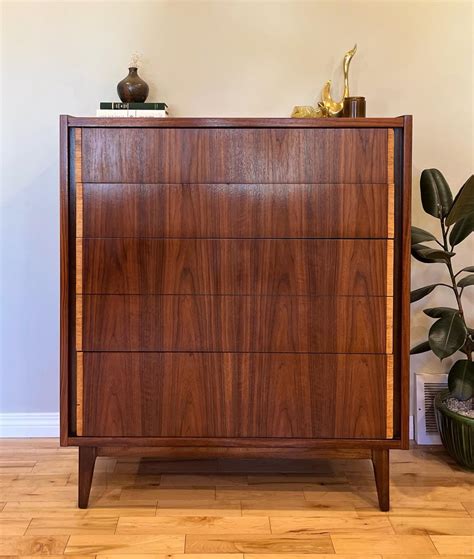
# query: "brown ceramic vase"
[[132, 89]]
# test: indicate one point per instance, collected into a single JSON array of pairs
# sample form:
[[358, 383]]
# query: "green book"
[[134, 106]]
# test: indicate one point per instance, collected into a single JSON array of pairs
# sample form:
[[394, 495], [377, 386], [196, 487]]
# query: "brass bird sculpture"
[[334, 108], [327, 107]]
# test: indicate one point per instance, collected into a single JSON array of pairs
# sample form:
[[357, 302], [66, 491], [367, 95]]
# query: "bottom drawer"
[[234, 395]]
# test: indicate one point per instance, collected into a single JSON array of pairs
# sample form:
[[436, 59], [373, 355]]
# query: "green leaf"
[[420, 348], [440, 312], [421, 292], [436, 195], [462, 229], [463, 204], [419, 235], [430, 255], [461, 379], [468, 269], [466, 280], [447, 335]]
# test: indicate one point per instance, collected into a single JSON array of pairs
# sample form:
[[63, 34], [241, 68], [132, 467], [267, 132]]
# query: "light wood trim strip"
[[79, 210], [389, 269], [78, 155], [79, 393], [389, 327], [390, 183], [78, 322], [391, 211], [389, 417], [390, 156], [79, 232], [79, 259], [390, 234]]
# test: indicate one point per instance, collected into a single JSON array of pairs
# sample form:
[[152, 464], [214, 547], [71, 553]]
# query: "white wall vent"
[[427, 386]]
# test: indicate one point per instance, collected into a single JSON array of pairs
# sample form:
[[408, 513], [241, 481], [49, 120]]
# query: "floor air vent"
[[427, 386]]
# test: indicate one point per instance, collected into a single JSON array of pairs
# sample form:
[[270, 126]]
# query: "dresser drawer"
[[235, 395], [236, 266], [238, 155], [235, 323], [238, 210]]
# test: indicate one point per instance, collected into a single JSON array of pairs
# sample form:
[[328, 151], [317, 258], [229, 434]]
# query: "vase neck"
[[133, 71]]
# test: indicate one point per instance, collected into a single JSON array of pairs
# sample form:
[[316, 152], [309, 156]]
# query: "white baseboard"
[[47, 425], [29, 424]]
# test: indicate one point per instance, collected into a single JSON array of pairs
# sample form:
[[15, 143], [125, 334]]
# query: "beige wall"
[[206, 59]]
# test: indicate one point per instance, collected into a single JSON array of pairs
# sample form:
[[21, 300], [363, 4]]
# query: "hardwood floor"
[[219, 509]]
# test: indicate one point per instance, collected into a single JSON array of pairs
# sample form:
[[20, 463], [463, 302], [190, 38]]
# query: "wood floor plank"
[[397, 545], [41, 493], [245, 543], [194, 525], [72, 512], [210, 507], [418, 508], [168, 493], [296, 508], [432, 526], [173, 556], [462, 545], [120, 544], [68, 526], [33, 480], [304, 556], [334, 524], [32, 545], [12, 526], [202, 480], [437, 556], [469, 506], [244, 492]]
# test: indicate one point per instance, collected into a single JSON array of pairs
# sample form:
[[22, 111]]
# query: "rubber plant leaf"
[[440, 312], [436, 195], [421, 292], [463, 204], [447, 335], [419, 235], [466, 280], [430, 255], [420, 348], [461, 229], [467, 269], [461, 379]]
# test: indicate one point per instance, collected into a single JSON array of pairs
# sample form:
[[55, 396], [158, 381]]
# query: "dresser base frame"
[[379, 457]]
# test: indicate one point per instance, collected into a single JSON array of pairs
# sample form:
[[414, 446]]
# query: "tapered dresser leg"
[[87, 456], [381, 462]]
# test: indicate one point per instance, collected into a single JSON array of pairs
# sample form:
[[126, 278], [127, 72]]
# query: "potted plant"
[[450, 332]]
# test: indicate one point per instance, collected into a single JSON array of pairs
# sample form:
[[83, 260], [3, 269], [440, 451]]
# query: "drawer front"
[[238, 210], [236, 267], [234, 323], [234, 155], [235, 395]]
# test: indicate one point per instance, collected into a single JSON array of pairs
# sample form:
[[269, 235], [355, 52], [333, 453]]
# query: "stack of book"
[[117, 109]]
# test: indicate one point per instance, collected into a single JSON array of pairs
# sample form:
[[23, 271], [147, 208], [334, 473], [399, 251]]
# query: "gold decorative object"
[[327, 107]]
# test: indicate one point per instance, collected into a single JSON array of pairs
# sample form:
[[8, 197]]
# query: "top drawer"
[[240, 155]]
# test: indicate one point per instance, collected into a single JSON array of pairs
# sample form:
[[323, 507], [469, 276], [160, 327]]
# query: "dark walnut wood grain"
[[240, 155], [234, 323], [235, 266], [234, 395], [236, 122], [236, 210]]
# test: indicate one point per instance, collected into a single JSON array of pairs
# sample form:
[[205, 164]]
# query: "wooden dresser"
[[235, 287]]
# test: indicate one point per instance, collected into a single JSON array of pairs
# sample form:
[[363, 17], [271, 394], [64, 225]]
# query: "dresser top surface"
[[170, 122]]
